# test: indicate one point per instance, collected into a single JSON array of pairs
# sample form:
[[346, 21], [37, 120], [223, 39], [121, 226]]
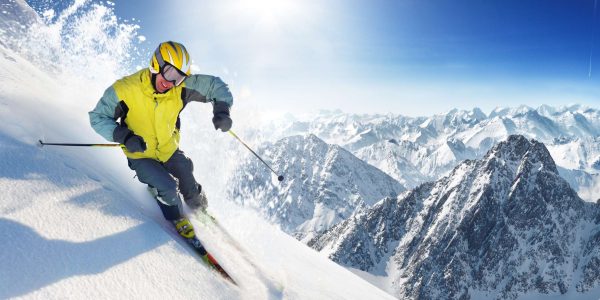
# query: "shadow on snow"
[[30, 261]]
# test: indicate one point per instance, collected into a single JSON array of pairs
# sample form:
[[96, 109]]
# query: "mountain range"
[[499, 227], [410, 150], [414, 150]]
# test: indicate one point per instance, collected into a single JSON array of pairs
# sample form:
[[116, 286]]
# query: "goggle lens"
[[173, 75]]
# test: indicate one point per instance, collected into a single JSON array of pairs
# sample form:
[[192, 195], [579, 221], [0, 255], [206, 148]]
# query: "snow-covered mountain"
[[399, 159], [579, 161], [501, 227], [75, 224], [324, 185], [577, 153], [414, 150]]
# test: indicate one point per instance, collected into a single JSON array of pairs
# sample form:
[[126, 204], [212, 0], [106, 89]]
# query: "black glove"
[[222, 121], [133, 142], [221, 118]]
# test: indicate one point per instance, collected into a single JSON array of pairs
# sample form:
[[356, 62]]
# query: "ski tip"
[[211, 261]]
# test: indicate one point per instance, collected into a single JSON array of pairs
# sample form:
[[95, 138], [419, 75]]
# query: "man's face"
[[162, 85]]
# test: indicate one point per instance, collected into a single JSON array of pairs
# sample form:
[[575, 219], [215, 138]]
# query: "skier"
[[141, 112]]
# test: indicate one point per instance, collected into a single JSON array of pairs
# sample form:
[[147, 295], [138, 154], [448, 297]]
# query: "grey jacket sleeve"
[[103, 117], [206, 88]]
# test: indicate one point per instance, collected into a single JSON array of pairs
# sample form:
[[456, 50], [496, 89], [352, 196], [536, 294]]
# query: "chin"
[[160, 89], [164, 89]]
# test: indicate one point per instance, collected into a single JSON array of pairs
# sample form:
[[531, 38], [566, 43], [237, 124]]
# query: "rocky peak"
[[520, 151]]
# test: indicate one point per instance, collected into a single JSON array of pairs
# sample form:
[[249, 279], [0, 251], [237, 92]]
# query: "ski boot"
[[184, 228]]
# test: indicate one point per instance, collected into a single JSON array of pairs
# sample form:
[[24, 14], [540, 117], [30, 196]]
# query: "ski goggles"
[[173, 75]]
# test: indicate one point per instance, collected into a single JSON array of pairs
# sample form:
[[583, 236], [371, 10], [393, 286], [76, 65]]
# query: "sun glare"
[[268, 13]]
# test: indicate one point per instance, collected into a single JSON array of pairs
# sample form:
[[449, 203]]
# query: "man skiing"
[[141, 112]]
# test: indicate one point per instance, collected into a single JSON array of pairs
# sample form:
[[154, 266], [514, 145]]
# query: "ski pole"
[[79, 145], [279, 177]]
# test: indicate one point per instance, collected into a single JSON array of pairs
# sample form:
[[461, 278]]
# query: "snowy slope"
[[502, 227], [76, 224]]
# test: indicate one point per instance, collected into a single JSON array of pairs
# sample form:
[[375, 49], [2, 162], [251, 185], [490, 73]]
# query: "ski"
[[208, 258], [199, 248], [212, 225]]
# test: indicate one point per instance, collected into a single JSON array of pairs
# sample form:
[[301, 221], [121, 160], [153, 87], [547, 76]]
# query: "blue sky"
[[407, 57]]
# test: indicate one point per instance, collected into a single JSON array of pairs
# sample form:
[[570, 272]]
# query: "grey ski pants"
[[169, 178]]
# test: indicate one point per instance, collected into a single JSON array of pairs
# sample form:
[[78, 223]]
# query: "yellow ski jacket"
[[133, 102]]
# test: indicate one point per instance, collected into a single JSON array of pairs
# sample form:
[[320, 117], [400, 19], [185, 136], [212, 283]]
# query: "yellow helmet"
[[173, 53]]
